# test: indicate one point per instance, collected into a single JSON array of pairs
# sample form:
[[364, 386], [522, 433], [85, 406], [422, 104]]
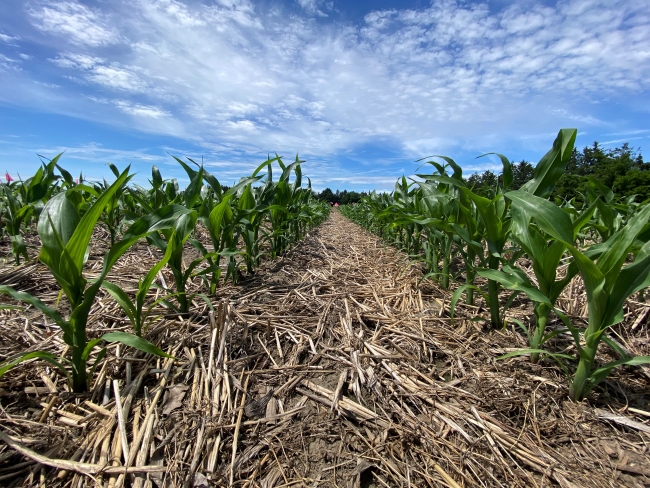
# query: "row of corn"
[[438, 219], [255, 217]]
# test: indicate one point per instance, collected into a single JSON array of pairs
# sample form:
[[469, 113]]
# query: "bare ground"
[[331, 366]]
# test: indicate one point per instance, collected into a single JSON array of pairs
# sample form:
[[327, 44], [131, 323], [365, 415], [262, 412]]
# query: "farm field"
[[322, 355], [340, 317], [319, 243]]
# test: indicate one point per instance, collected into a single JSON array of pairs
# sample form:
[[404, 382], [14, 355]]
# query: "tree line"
[[621, 169], [344, 197]]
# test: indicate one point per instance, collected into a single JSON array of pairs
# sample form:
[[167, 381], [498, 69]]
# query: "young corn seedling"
[[135, 310], [22, 200], [609, 281], [65, 237], [546, 255], [495, 216], [113, 212]]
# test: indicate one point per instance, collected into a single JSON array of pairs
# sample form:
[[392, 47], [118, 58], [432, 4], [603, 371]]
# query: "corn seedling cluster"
[[245, 222], [438, 218]]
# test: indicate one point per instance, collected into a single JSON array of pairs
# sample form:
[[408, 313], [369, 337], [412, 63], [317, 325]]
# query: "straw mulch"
[[332, 366]]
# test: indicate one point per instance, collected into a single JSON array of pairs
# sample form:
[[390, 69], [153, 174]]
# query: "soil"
[[333, 365]]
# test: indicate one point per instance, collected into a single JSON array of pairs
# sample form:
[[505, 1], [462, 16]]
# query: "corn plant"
[[175, 240], [495, 216], [113, 213], [546, 254], [162, 193], [65, 237], [250, 215], [608, 280], [135, 310], [22, 200]]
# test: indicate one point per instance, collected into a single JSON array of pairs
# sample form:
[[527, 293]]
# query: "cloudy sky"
[[359, 90]]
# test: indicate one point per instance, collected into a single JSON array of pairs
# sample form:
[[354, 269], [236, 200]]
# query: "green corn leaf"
[[507, 168], [265, 164], [163, 218], [122, 300], [606, 214], [601, 373], [56, 225], [520, 324], [213, 183], [617, 247], [605, 191], [26, 356], [18, 246], [582, 220], [145, 285], [171, 190], [282, 165], [631, 279], [488, 212], [39, 305], [90, 345], [458, 172], [512, 282], [87, 188], [11, 200], [135, 342], [114, 169], [193, 190], [146, 206], [551, 167], [67, 177], [156, 179], [550, 218], [298, 172], [198, 246], [216, 219], [615, 347], [575, 331], [458, 293], [192, 266], [37, 187], [594, 282], [549, 266], [554, 333], [246, 200], [232, 191], [78, 244], [443, 179], [183, 227], [191, 174], [155, 240]]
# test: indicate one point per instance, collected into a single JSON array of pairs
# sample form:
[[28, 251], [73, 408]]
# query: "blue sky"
[[359, 89]]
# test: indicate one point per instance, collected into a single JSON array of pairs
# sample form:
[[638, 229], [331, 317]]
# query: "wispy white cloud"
[[79, 24], [140, 110], [7, 63], [314, 7], [619, 141], [233, 75], [580, 118], [8, 39], [97, 70], [629, 132]]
